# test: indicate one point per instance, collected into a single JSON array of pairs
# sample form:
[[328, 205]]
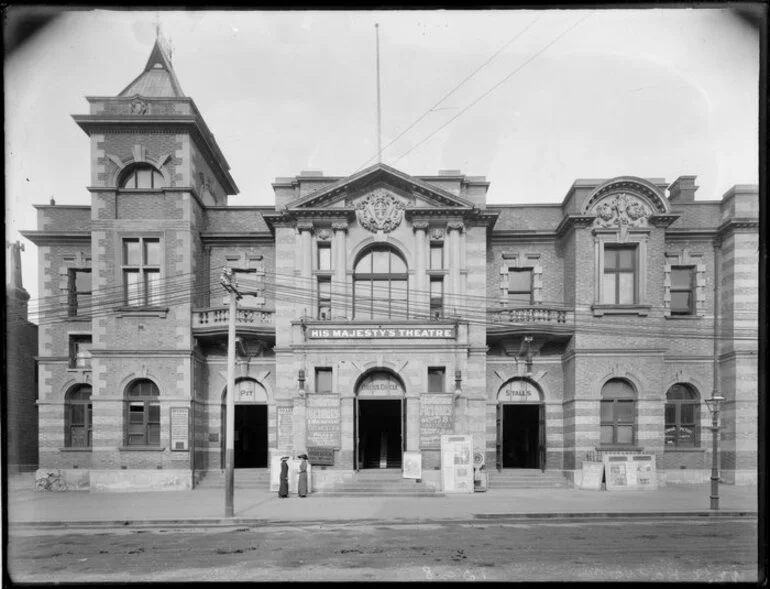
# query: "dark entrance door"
[[250, 444], [521, 436], [379, 428]]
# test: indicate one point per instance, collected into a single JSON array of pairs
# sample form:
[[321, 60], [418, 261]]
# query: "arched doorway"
[[380, 430], [520, 425], [250, 443]]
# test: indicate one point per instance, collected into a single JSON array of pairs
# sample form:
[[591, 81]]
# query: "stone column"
[[418, 305], [339, 286], [306, 266], [413, 423], [454, 300], [299, 422], [347, 443]]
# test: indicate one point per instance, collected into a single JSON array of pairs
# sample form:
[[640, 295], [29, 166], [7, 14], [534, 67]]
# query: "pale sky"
[[573, 94]]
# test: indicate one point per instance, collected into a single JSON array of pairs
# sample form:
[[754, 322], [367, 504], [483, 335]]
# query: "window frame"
[[436, 303], [145, 296], [87, 423], [439, 376], [323, 373], [436, 247], [324, 298], [691, 289], [324, 254], [363, 279], [619, 270], [76, 348], [677, 423], [613, 399], [149, 403], [530, 292], [131, 172], [73, 293]]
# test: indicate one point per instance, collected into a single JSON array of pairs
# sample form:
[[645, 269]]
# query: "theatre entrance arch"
[[379, 421], [250, 442], [520, 425]]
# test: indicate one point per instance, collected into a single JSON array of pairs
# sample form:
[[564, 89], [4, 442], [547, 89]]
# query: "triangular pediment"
[[410, 191]]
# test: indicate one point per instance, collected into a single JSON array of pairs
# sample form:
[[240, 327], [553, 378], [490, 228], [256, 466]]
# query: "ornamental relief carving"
[[621, 210], [380, 211]]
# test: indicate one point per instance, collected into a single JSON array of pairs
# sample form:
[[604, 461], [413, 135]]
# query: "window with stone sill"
[[142, 414], [520, 287], [682, 417], [78, 417], [324, 298], [617, 413], [141, 264], [79, 291], [80, 352], [323, 380], [436, 380], [380, 285], [619, 282]]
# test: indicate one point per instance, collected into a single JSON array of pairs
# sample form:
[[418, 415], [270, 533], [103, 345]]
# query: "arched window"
[[78, 417], [142, 176], [618, 413], [380, 285], [682, 417], [143, 418]]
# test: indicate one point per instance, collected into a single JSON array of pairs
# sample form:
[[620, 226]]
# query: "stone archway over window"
[[78, 417], [618, 413]]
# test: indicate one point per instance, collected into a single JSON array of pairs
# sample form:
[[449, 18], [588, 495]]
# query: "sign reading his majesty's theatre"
[[380, 332]]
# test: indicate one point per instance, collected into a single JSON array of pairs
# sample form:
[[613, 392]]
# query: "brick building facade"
[[380, 311]]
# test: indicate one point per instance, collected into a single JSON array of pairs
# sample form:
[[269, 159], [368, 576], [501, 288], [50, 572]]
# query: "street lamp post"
[[713, 405]]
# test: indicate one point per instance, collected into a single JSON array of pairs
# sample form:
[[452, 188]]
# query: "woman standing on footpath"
[[283, 488], [302, 484]]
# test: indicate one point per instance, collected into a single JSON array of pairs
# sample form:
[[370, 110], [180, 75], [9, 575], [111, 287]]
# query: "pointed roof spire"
[[158, 79]]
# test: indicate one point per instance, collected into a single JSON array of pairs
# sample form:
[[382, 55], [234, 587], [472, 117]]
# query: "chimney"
[[682, 189]]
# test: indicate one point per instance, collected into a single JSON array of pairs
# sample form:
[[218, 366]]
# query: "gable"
[[412, 192]]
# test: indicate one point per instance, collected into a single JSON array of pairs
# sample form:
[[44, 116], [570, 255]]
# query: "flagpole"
[[379, 109]]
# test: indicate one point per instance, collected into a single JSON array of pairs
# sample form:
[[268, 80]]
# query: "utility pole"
[[230, 285]]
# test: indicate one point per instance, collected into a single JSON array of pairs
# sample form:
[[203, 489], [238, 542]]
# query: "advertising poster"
[[412, 465], [457, 464]]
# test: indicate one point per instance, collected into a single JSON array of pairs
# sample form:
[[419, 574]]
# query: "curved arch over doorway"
[[379, 420], [521, 427], [251, 442]]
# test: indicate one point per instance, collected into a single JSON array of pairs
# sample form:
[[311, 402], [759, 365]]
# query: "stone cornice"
[[573, 222], [236, 238], [45, 238], [663, 221], [738, 225]]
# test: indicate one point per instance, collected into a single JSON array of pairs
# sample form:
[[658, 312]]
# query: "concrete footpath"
[[29, 508]]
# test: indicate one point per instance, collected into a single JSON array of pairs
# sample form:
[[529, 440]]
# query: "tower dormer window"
[[142, 176]]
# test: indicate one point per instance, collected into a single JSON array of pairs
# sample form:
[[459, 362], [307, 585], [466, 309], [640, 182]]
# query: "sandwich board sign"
[[457, 464]]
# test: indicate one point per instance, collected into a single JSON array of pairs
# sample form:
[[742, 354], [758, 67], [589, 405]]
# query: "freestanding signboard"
[[457, 464], [630, 472], [593, 473], [412, 465]]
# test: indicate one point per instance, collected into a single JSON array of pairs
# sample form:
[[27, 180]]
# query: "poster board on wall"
[[593, 472], [323, 420], [630, 472], [436, 419], [457, 464]]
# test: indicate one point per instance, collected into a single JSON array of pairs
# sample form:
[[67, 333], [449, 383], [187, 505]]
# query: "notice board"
[[180, 428], [285, 421], [630, 472], [323, 420], [593, 472], [436, 419], [457, 464]]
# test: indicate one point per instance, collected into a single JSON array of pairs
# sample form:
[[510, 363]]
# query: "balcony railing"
[[218, 318], [534, 316]]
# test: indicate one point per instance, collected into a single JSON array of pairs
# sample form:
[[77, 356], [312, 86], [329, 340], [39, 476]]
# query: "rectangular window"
[[436, 256], [80, 351], [619, 280], [682, 424], [323, 380], [79, 291], [436, 380], [324, 298], [325, 256], [141, 271], [682, 290], [436, 297], [520, 286]]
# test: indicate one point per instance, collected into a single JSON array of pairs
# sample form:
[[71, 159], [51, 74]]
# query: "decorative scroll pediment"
[[621, 210], [380, 210]]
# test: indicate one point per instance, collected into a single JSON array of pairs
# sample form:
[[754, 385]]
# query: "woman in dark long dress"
[[302, 484], [283, 488]]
